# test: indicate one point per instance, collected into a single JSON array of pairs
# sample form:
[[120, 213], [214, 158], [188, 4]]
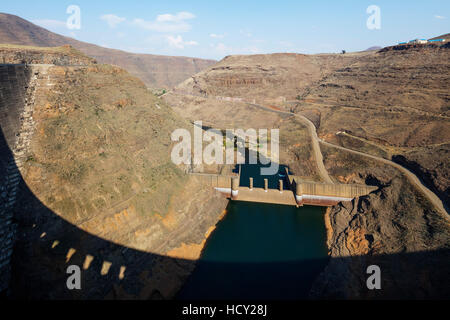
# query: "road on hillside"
[[431, 196], [315, 141]]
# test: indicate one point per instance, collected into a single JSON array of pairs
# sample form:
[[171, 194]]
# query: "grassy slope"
[[103, 139]]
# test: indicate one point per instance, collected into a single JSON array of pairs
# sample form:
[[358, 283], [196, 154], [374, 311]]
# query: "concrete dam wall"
[[14, 95], [292, 191], [18, 84], [14, 81]]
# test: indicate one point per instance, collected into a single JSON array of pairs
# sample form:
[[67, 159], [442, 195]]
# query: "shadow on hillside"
[[45, 243], [425, 177]]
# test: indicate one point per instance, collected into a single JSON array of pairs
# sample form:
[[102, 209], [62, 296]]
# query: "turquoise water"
[[261, 251]]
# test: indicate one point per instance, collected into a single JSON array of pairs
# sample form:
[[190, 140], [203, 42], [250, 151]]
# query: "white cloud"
[[112, 20], [217, 36], [179, 43], [168, 23], [439, 17], [180, 16], [50, 24]]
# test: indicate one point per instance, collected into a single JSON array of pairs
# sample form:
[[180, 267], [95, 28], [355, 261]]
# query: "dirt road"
[[431, 196]]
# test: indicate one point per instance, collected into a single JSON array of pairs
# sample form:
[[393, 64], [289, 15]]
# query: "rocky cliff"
[[393, 228], [65, 55]]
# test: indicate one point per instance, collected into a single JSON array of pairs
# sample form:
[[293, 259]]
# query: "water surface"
[[261, 251]]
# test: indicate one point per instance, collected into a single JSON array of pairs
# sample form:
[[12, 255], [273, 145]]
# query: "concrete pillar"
[[251, 183], [266, 184], [281, 185], [298, 189], [234, 187], [299, 193]]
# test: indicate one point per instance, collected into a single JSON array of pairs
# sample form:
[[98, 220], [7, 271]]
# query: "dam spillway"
[[297, 192], [268, 245], [259, 250]]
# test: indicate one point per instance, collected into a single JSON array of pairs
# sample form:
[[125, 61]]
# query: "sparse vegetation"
[[135, 142]]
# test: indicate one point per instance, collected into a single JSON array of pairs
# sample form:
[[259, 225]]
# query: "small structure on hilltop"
[[418, 41], [422, 41]]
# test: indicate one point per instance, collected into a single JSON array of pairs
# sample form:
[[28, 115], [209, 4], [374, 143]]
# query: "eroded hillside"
[[264, 78]]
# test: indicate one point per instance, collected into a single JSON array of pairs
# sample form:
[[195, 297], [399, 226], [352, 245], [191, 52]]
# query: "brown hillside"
[[265, 78], [155, 70], [393, 103], [395, 99], [400, 97]]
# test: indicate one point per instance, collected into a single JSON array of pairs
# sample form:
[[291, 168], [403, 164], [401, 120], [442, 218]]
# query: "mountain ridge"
[[157, 71]]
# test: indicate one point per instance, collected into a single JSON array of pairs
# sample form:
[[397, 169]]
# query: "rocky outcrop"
[[431, 166], [393, 228], [61, 56]]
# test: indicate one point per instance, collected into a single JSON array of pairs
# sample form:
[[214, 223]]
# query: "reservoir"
[[260, 251]]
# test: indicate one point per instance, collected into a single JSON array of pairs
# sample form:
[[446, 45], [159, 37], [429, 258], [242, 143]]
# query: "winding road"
[[431, 196]]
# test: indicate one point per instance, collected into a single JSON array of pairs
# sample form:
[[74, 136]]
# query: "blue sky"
[[214, 29]]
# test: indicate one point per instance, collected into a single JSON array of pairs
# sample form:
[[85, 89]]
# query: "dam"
[[16, 95], [271, 244], [24, 80], [290, 190], [261, 249]]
